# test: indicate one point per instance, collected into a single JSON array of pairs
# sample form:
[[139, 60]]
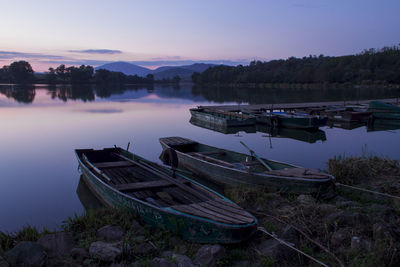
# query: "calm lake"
[[41, 126]]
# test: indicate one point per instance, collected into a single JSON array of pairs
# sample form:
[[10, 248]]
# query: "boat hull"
[[221, 121], [307, 122], [226, 176], [187, 226]]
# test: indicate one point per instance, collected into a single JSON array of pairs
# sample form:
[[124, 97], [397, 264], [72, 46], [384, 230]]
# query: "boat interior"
[[238, 161], [156, 185]]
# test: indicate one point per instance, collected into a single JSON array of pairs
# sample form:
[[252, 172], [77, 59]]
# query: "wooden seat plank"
[[217, 214], [143, 185], [226, 212], [211, 160], [190, 210], [238, 210], [112, 164]]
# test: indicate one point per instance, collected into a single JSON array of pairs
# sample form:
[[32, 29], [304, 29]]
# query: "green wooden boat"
[[385, 111], [227, 168], [222, 118], [162, 198], [292, 120]]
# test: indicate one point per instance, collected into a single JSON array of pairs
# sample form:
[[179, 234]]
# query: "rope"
[[262, 229], [369, 191]]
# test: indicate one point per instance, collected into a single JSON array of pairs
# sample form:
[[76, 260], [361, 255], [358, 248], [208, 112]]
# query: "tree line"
[[370, 66], [22, 72]]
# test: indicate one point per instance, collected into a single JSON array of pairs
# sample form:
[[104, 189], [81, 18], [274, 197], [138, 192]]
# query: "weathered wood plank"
[[112, 164], [226, 212], [143, 185], [212, 160], [217, 214], [190, 210]]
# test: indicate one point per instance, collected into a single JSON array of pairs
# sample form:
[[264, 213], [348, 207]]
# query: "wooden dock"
[[292, 106]]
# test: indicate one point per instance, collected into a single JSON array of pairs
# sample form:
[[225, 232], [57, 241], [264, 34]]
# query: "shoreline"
[[353, 227]]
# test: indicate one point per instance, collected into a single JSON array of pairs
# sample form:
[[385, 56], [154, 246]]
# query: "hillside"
[[164, 72], [126, 68]]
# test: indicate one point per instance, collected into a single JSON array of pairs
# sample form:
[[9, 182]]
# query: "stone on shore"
[[208, 255], [57, 244], [111, 233], [27, 253], [105, 251]]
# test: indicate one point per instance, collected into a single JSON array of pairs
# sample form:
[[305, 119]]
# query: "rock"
[[208, 255], [105, 251], [341, 237], [144, 249], [306, 199], [161, 262], [111, 233], [182, 261], [79, 254], [167, 254], [358, 243], [27, 254], [57, 244]]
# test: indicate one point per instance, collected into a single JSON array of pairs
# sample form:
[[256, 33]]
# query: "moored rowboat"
[[227, 167], [162, 198], [222, 118]]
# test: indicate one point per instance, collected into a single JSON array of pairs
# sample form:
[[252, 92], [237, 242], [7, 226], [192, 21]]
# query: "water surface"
[[42, 125]]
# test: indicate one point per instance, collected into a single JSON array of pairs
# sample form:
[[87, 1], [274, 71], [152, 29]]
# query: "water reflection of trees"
[[21, 93], [72, 92], [290, 95]]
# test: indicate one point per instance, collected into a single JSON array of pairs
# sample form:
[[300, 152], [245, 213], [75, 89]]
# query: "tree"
[[60, 71], [21, 72], [51, 75]]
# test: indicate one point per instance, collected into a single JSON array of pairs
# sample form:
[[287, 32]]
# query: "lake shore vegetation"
[[372, 66], [348, 228]]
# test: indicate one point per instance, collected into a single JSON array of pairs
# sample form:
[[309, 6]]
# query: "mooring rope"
[[366, 190], [262, 229]]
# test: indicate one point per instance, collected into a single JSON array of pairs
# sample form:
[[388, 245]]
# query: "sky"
[[154, 33]]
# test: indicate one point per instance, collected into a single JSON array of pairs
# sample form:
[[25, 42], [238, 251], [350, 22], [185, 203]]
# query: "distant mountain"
[[126, 68], [184, 72], [165, 72]]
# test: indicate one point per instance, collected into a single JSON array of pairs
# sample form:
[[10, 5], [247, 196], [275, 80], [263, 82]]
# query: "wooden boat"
[[186, 208], [226, 167], [304, 135], [292, 120], [222, 118], [384, 111], [223, 129]]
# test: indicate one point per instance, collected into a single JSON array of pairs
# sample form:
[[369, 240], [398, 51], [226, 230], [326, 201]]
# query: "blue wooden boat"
[[384, 111], [222, 118], [164, 198], [292, 120], [229, 168]]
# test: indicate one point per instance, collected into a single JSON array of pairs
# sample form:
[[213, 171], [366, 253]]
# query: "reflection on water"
[[89, 92], [42, 125], [86, 196]]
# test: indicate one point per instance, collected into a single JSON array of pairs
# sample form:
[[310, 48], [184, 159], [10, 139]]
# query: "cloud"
[[13, 54], [97, 51], [167, 58]]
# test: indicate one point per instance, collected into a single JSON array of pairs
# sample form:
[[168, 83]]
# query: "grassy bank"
[[352, 227]]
